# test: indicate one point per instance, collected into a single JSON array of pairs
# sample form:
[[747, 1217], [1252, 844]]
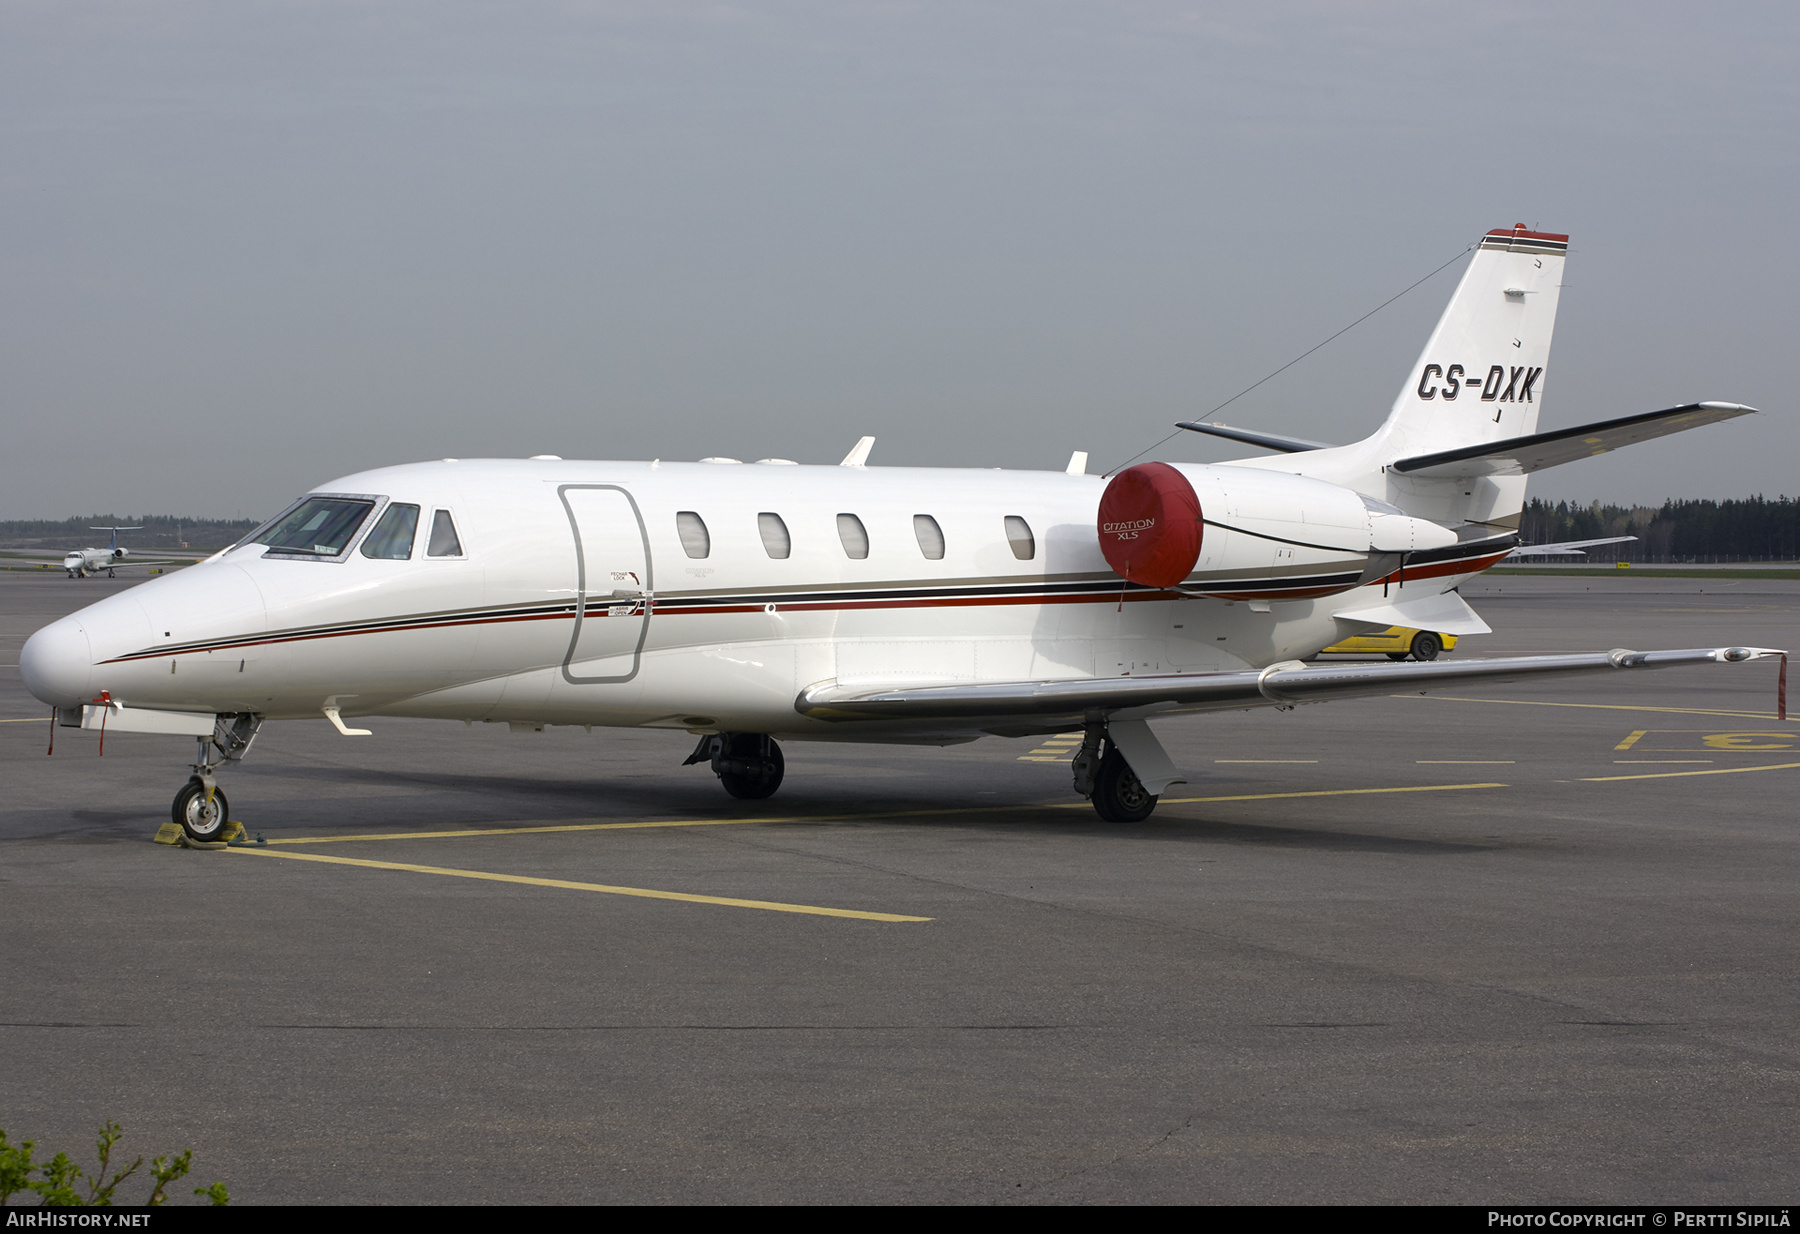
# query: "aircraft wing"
[[1280, 685], [1518, 456]]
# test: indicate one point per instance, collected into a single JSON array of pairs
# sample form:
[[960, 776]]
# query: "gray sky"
[[251, 247]]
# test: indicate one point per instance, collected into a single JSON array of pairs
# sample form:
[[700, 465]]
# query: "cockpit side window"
[[443, 541], [392, 539], [317, 527]]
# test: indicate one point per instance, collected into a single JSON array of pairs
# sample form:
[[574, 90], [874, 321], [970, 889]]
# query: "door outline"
[[648, 599]]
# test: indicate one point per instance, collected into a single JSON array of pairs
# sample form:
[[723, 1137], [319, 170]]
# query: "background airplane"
[[86, 562]]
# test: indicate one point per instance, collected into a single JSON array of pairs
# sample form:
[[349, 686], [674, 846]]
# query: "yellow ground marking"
[[1729, 743], [1745, 741], [566, 884], [1716, 771], [1328, 792], [539, 829], [1662, 760], [28, 720], [1465, 762], [1527, 702], [1265, 760]]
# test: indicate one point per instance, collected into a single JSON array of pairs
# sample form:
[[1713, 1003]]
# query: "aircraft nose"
[[57, 663]]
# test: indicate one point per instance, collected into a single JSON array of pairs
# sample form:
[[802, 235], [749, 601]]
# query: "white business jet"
[[745, 603]]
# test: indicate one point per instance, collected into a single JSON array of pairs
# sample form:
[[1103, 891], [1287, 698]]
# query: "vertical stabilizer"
[[1481, 376]]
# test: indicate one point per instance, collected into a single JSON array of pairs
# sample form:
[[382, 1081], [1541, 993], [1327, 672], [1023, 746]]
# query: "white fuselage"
[[574, 597]]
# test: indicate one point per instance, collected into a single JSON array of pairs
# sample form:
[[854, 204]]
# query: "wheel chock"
[[234, 833]]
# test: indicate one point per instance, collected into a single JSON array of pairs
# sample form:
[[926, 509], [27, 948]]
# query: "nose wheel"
[[201, 814]]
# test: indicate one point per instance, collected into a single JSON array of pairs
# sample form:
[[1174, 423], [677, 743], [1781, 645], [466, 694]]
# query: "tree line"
[[1737, 529], [160, 531]]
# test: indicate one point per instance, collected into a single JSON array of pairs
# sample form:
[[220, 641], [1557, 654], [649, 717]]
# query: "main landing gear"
[[200, 809], [749, 765], [1104, 777]]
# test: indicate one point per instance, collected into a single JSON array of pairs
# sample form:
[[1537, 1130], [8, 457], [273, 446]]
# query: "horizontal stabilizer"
[[1279, 685], [1564, 548], [1270, 441], [1517, 456], [1445, 613]]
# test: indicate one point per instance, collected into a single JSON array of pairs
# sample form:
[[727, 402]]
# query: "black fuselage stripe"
[[811, 599]]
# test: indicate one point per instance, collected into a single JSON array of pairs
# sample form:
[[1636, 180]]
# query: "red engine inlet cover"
[[1150, 525]]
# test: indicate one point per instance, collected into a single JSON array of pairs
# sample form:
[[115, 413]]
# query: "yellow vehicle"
[[1397, 642]]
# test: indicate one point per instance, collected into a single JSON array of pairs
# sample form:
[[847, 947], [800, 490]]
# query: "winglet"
[[1077, 463], [859, 453]]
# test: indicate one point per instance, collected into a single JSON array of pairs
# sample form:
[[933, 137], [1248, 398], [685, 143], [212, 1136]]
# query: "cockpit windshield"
[[317, 527]]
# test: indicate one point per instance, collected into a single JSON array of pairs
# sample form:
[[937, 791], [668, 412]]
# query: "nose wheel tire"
[[752, 766], [203, 820], [1118, 797]]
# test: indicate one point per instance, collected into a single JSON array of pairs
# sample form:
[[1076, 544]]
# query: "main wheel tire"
[[764, 755], [202, 820], [1425, 646], [1118, 796]]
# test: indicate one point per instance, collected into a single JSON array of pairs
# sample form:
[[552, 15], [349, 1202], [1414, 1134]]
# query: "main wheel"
[[1118, 796], [755, 766], [202, 820], [1425, 646]]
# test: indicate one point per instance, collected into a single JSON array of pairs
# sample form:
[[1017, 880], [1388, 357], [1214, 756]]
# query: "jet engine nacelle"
[[1175, 524]]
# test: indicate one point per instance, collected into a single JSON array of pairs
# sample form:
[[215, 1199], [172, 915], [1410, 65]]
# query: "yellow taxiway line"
[[645, 893], [1716, 771], [1526, 702], [543, 829], [1326, 792]]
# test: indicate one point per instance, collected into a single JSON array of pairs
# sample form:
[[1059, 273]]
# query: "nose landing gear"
[[749, 765], [200, 809]]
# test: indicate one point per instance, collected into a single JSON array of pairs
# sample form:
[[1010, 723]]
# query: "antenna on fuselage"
[[859, 453]]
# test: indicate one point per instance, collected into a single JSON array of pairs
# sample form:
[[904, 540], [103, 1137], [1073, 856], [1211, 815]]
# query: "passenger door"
[[614, 584]]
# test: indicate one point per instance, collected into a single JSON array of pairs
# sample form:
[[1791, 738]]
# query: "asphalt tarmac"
[[1509, 944]]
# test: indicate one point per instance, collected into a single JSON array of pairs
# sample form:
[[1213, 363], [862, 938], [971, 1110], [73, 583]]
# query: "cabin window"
[[443, 537], [392, 539], [774, 535], [318, 527], [1019, 538], [854, 536], [931, 536], [692, 530]]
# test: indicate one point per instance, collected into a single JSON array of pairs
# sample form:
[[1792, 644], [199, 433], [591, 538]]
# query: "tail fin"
[[1480, 379], [1481, 375]]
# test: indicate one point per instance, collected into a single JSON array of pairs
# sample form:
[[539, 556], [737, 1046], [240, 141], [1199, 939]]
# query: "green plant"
[[60, 1181]]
